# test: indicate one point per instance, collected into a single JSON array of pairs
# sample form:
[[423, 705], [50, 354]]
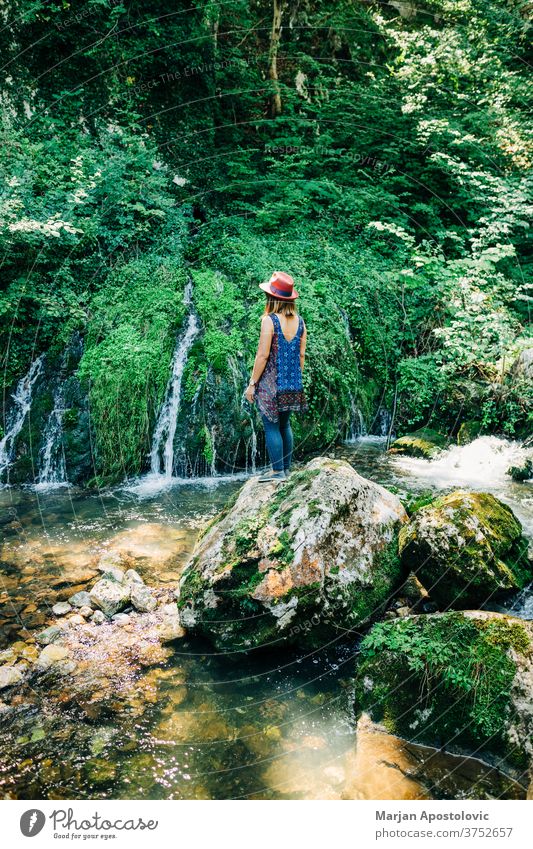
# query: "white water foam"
[[22, 402]]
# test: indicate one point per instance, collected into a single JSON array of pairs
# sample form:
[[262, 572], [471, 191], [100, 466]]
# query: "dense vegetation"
[[377, 151]]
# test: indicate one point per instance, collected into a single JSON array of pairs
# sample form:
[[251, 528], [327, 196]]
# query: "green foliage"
[[394, 185], [130, 339], [441, 678]]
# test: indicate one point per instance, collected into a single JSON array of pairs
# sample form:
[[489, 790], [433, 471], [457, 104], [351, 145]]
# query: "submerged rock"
[[50, 635], [295, 562], [51, 655], [424, 442], [9, 675], [81, 599], [459, 678], [61, 608], [464, 547]]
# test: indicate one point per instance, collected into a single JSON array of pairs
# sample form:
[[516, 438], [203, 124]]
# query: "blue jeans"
[[279, 441]]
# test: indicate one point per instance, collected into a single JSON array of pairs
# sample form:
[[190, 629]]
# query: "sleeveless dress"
[[280, 387]]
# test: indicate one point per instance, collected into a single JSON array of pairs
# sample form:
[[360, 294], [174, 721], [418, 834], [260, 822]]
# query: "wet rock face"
[[464, 547], [298, 562], [425, 443], [460, 676]]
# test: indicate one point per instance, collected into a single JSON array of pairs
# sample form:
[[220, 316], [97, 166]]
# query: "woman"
[[276, 381]]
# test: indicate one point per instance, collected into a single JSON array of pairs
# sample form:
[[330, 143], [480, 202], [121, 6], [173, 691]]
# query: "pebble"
[[76, 619], [403, 611], [98, 617], [86, 611], [61, 608], [133, 577], [121, 618]]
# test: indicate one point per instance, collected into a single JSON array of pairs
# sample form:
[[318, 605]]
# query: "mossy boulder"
[[424, 442], [523, 472], [464, 547], [468, 431], [459, 680], [299, 562]]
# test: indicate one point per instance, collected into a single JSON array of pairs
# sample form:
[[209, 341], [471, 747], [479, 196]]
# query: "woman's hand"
[[250, 393]]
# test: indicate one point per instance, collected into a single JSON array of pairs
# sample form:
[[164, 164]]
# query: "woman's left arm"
[[303, 343], [261, 358]]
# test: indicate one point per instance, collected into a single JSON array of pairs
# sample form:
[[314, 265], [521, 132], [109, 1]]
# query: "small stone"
[[86, 611], [49, 635], [121, 618], [142, 599], [109, 560], [76, 619], [403, 611], [51, 654], [9, 676], [170, 627], [7, 656], [61, 608], [81, 599], [133, 577], [110, 596], [98, 617], [114, 574]]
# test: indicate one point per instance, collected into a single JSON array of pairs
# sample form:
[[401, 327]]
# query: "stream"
[[199, 724]]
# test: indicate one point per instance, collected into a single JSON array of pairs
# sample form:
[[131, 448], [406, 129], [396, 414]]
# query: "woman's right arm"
[[261, 358]]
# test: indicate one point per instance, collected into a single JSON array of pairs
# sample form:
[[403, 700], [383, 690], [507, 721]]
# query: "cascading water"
[[483, 465], [22, 402], [357, 427], [52, 470], [162, 452]]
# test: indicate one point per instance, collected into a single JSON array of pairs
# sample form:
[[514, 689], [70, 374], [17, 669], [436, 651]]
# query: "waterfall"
[[22, 403], [384, 422], [165, 429], [357, 426], [253, 451], [213, 469], [52, 468]]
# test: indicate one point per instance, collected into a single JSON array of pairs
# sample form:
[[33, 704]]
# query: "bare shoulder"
[[266, 324]]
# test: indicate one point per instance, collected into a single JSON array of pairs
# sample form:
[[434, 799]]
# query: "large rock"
[[110, 596], [424, 442], [464, 547], [457, 679], [300, 562]]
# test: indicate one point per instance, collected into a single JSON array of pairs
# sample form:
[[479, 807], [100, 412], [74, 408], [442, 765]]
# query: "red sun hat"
[[280, 285]]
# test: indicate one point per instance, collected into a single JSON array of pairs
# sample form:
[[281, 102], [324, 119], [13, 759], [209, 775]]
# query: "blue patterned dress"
[[280, 387]]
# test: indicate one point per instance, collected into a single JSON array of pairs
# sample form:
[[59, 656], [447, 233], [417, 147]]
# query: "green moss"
[[468, 431], [465, 546], [441, 678]]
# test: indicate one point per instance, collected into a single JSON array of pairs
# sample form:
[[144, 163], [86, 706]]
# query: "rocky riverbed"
[[106, 677]]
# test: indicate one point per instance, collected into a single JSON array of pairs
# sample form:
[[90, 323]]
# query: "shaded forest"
[[379, 152]]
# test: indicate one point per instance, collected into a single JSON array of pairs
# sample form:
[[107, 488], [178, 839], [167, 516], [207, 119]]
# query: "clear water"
[[196, 724]]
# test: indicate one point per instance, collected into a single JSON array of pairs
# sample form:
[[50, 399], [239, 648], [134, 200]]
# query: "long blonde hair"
[[276, 305]]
